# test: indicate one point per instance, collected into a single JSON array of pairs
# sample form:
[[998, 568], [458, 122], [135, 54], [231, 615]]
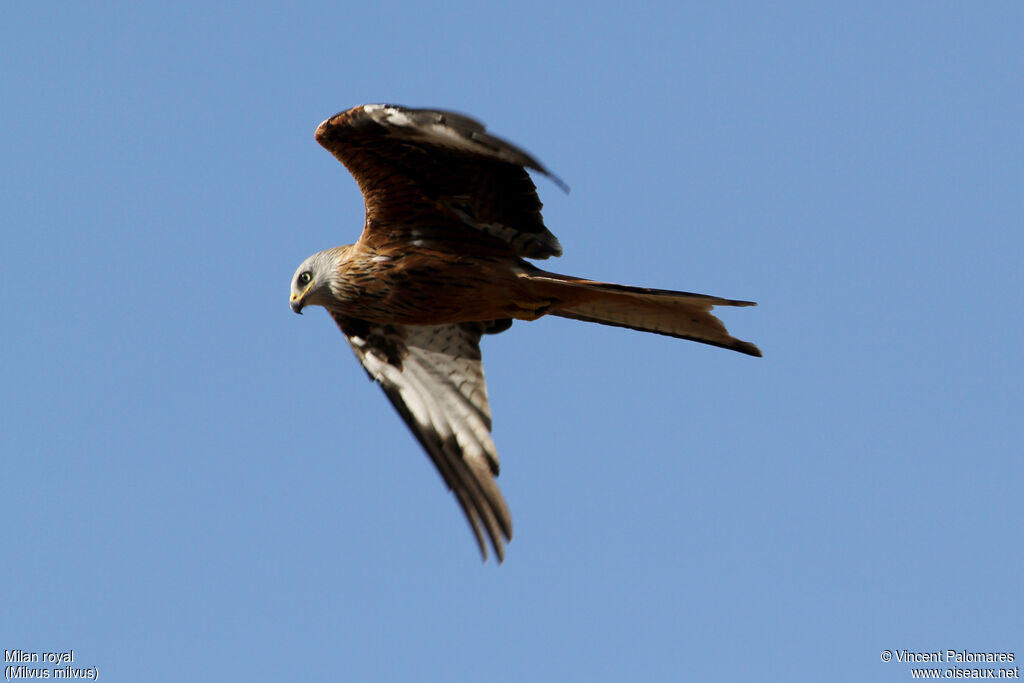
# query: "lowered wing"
[[434, 377]]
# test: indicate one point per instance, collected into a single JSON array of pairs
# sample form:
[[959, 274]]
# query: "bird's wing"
[[439, 176], [434, 377]]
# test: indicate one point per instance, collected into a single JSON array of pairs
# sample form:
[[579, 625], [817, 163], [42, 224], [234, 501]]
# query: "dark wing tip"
[[747, 348], [561, 184]]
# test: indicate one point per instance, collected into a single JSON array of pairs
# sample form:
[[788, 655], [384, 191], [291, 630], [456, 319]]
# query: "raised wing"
[[434, 377], [439, 176]]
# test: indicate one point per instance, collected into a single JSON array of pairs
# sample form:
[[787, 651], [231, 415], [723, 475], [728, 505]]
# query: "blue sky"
[[199, 484]]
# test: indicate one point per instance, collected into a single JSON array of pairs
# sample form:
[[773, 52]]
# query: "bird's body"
[[426, 286], [451, 216]]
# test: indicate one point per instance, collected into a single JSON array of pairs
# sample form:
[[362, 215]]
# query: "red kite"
[[451, 214]]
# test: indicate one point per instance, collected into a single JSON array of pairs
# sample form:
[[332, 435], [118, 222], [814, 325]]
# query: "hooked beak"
[[298, 299]]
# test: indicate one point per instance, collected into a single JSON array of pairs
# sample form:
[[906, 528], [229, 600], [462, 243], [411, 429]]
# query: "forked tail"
[[677, 314]]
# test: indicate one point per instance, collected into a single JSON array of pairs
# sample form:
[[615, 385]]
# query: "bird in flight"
[[451, 216]]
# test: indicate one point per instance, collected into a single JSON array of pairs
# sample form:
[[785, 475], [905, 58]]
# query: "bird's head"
[[311, 284]]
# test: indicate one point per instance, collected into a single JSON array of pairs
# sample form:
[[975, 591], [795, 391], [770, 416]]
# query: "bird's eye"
[[304, 278]]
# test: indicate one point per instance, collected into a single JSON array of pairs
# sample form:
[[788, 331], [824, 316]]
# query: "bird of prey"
[[451, 216]]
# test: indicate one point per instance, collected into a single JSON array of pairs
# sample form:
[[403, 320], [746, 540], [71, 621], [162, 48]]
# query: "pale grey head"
[[311, 284]]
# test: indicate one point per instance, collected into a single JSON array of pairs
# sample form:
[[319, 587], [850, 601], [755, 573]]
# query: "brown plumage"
[[451, 214]]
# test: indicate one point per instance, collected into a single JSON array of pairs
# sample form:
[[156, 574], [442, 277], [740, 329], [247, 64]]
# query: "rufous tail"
[[663, 311]]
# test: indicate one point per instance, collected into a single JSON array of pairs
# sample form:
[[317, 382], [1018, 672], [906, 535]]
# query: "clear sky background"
[[200, 485]]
